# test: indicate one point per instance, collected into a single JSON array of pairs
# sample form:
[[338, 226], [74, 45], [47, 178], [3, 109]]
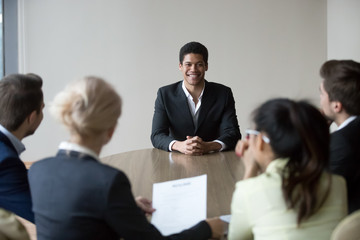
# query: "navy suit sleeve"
[[160, 134], [229, 127], [129, 221], [14, 188]]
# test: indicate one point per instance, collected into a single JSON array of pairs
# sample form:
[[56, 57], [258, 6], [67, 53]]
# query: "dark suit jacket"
[[173, 120], [14, 187], [345, 160], [77, 197]]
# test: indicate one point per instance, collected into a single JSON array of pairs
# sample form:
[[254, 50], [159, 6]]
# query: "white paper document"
[[225, 218], [179, 204]]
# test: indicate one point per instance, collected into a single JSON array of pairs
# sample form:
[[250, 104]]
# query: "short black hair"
[[194, 47], [20, 95]]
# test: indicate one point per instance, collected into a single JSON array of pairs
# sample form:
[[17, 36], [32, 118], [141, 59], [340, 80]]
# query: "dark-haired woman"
[[293, 197]]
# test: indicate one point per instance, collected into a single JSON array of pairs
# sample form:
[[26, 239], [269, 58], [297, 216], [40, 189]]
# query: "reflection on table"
[[148, 166]]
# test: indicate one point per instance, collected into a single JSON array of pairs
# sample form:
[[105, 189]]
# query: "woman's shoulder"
[[82, 166], [337, 180], [264, 180]]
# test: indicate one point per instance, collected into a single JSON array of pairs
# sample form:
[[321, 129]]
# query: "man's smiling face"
[[193, 68]]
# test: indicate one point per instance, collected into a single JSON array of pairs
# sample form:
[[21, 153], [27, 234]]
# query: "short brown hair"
[[342, 83], [20, 95]]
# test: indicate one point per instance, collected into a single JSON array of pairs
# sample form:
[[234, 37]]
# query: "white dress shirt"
[[346, 122], [194, 109], [77, 148], [19, 146]]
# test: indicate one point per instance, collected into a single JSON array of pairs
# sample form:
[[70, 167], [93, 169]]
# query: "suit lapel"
[[207, 102], [182, 105]]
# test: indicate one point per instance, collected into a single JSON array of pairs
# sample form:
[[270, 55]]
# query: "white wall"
[[343, 26], [259, 48]]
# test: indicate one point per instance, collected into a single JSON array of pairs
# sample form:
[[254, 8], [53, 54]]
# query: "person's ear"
[[109, 134], [337, 106], [32, 117], [180, 66], [206, 66]]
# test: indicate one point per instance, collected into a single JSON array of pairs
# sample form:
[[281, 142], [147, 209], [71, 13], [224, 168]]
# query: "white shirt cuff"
[[223, 146], [171, 144]]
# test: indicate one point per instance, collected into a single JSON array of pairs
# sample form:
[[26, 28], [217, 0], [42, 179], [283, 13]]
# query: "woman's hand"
[[145, 205], [217, 227], [246, 153]]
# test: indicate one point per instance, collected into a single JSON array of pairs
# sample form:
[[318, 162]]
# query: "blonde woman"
[[77, 197]]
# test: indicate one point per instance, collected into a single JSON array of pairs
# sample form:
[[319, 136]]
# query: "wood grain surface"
[[148, 166]]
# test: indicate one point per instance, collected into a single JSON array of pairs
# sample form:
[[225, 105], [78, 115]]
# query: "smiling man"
[[194, 116]]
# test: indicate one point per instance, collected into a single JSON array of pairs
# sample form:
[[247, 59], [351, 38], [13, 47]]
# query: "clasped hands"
[[195, 146]]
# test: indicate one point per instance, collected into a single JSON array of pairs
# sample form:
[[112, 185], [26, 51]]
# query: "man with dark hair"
[[194, 116], [21, 104], [340, 102]]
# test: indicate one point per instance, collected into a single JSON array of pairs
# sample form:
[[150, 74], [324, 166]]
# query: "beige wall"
[[261, 49], [343, 29]]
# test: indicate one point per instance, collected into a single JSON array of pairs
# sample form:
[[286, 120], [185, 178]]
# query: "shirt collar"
[[277, 165], [187, 94], [18, 145], [346, 122], [77, 148]]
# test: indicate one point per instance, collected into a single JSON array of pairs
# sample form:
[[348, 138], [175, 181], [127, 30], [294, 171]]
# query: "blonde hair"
[[87, 107]]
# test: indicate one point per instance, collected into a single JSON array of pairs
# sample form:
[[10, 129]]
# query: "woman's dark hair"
[[297, 131]]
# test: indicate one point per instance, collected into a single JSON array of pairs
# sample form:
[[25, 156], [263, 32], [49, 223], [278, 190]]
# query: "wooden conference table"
[[148, 166]]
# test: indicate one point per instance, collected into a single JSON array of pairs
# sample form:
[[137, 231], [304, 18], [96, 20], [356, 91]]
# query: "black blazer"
[[14, 187], [173, 120], [77, 197], [345, 160]]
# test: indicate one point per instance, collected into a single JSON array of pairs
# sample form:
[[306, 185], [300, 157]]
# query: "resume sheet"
[[179, 204]]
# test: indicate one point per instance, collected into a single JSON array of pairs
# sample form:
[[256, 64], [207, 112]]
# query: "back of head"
[[87, 107], [194, 47], [342, 83], [20, 95], [297, 131]]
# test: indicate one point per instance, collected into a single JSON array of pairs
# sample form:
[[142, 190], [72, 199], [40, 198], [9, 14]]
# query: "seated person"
[[293, 197], [77, 197], [194, 116], [340, 103], [21, 104]]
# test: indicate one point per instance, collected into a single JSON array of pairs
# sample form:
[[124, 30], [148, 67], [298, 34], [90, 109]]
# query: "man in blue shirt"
[[21, 104]]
